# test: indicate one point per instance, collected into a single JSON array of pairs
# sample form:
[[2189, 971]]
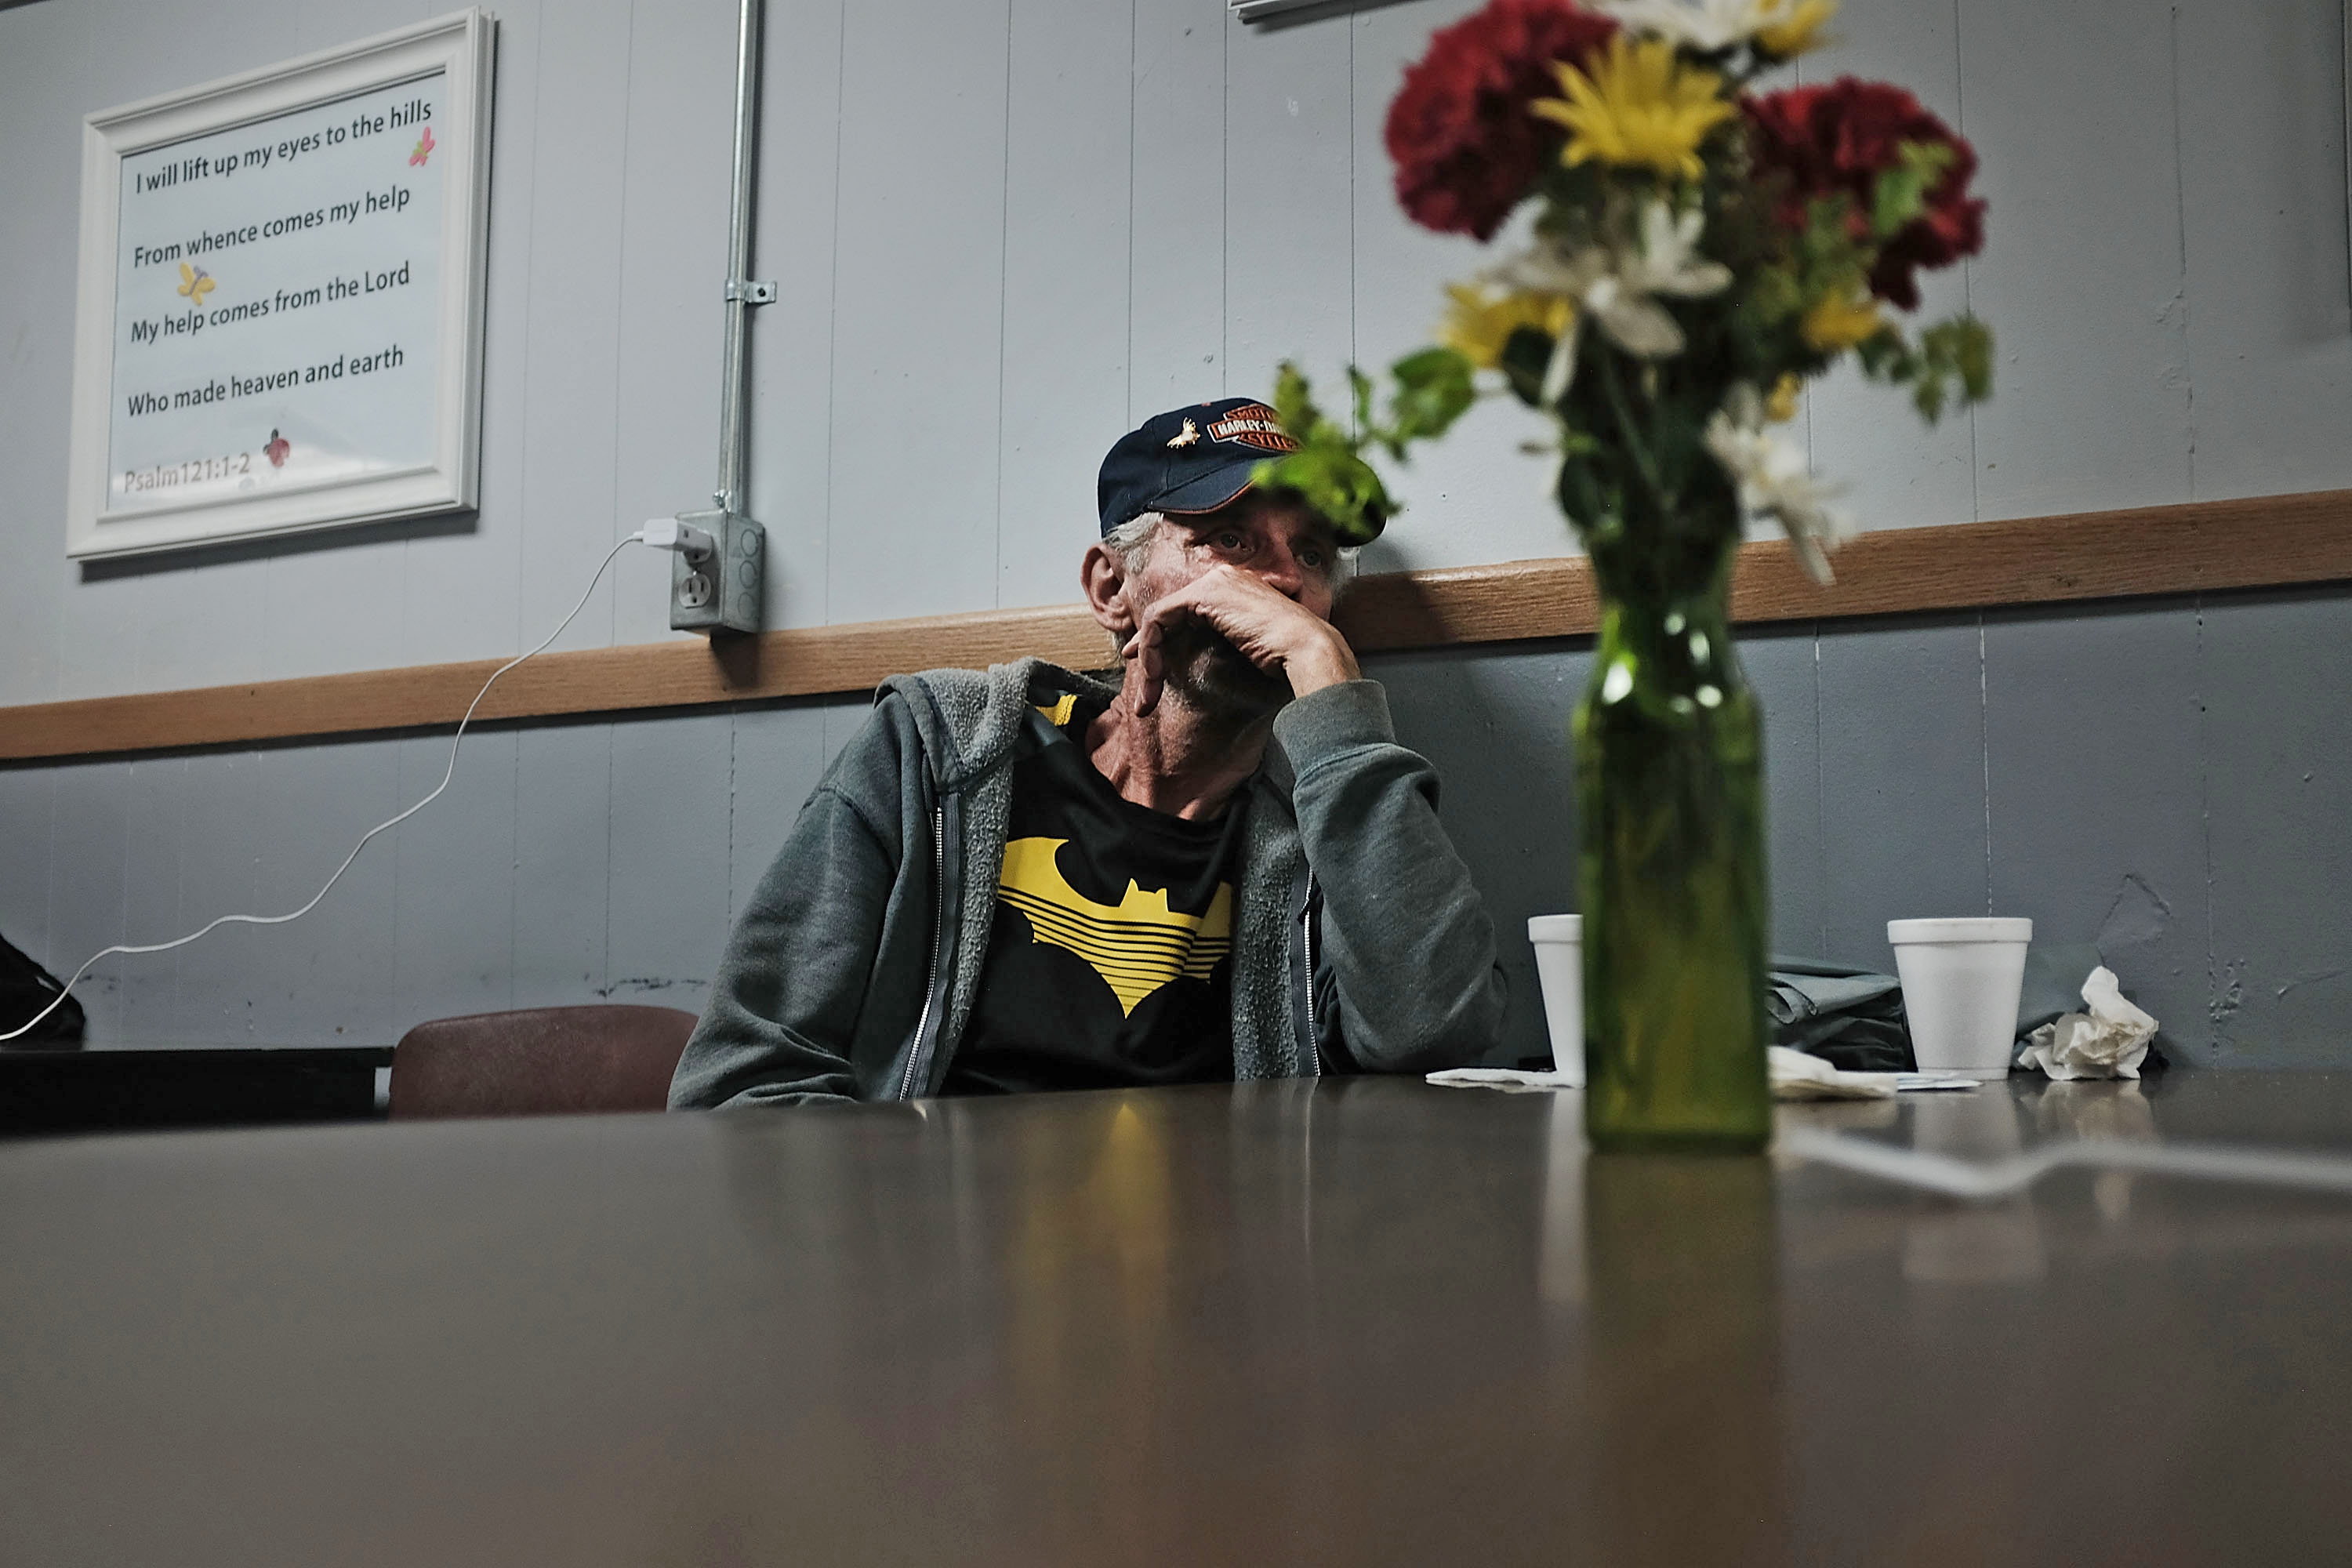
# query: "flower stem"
[[1645, 461]]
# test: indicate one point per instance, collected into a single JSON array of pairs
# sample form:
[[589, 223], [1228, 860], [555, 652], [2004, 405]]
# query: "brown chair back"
[[540, 1061]]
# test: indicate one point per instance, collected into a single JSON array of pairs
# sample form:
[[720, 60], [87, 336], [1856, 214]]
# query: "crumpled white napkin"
[[2109, 1041], [1794, 1076]]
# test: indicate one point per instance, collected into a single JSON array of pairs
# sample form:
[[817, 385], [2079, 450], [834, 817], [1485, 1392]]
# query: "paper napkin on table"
[[2109, 1041], [1796, 1076], [1511, 1078]]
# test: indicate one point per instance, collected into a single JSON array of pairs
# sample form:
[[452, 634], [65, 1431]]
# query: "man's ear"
[[1103, 575]]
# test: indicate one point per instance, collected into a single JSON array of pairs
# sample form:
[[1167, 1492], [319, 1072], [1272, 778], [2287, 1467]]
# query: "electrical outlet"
[[723, 592]]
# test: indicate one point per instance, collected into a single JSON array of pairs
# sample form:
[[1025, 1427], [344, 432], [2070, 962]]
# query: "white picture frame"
[[289, 149]]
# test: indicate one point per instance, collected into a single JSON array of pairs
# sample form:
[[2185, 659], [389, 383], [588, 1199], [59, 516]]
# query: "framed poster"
[[278, 325]]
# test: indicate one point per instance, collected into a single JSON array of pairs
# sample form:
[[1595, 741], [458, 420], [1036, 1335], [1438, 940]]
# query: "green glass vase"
[[1670, 814]]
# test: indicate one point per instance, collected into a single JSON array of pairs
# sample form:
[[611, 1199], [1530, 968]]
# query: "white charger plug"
[[670, 533]]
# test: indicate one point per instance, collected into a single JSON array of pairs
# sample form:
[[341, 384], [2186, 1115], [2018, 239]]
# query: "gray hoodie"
[[1358, 942]]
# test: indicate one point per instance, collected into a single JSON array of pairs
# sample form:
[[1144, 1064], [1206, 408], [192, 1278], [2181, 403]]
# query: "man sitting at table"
[[1224, 866]]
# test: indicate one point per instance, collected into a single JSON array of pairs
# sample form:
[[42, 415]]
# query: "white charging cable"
[[663, 534]]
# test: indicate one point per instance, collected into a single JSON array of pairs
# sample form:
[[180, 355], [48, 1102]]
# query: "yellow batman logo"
[[1137, 945]]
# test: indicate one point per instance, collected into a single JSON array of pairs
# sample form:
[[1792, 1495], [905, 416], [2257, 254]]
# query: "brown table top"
[[1360, 1322]]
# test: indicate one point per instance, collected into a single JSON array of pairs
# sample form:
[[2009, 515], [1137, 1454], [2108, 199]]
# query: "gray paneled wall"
[[2171, 780], [1007, 228]]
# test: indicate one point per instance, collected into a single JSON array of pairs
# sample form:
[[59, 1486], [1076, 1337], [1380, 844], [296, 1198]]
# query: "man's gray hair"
[[1132, 540]]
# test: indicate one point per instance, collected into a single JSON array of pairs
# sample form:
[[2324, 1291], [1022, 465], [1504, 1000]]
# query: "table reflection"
[[1977, 1244]]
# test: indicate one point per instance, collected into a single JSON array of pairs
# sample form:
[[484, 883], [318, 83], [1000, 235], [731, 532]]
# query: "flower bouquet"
[[1694, 250]]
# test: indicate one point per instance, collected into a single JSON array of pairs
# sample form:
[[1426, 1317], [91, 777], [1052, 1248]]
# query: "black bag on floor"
[[25, 989]]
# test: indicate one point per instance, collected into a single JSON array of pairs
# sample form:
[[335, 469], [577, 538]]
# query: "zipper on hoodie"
[[1307, 936], [917, 1052]]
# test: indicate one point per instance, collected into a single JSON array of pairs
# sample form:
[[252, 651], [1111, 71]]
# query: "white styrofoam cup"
[[1559, 965], [1961, 979]]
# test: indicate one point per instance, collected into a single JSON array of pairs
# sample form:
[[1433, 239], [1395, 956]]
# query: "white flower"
[[1706, 26], [1665, 261], [1776, 481], [1615, 285]]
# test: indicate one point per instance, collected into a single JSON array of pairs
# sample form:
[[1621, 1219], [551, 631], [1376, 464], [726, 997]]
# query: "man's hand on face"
[[1271, 629]]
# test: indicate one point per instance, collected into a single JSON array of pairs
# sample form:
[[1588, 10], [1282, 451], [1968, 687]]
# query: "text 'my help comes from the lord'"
[[277, 292]]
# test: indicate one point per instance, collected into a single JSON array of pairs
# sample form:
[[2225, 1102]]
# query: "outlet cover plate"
[[732, 594]]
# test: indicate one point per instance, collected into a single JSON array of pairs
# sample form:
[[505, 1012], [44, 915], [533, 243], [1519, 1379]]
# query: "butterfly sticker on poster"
[[279, 318]]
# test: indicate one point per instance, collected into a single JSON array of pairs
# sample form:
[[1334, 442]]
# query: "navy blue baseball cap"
[[1189, 461]]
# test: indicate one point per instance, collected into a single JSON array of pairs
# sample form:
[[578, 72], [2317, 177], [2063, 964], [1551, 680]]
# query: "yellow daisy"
[[1796, 31], [1834, 324], [1640, 105], [1479, 325]]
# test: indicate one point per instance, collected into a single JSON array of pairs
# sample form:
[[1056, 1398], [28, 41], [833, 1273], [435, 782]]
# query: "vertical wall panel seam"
[[514, 868], [522, 379], [2205, 840], [47, 894], [522, 511], [2180, 220], [514, 851], [400, 750], [833, 301], [604, 967], [1984, 747], [180, 885], [734, 729], [1003, 296], [1968, 284], [1355, 249], [1820, 791], [1134, 91], [122, 925], [620, 335], [58, 622]]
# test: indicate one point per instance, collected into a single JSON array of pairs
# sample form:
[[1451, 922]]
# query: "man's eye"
[[1311, 559], [1229, 540]]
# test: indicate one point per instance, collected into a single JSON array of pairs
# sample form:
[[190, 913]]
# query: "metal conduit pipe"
[[724, 592], [742, 294]]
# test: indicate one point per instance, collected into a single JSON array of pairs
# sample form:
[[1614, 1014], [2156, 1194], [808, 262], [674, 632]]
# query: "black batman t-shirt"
[[1109, 961]]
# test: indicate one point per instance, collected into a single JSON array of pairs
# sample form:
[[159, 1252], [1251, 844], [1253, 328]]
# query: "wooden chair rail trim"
[[2196, 547]]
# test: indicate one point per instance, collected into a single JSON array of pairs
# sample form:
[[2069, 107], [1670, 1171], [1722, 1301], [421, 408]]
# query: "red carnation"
[[1466, 149], [1820, 140]]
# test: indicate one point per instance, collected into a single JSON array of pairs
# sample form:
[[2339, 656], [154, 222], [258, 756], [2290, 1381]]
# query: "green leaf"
[[1955, 354], [1335, 482], [1885, 356], [1975, 357], [1900, 194], [1293, 401], [1434, 388], [1774, 297], [1928, 396]]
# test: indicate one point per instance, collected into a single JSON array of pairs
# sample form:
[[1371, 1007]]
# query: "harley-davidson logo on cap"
[[1254, 425]]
